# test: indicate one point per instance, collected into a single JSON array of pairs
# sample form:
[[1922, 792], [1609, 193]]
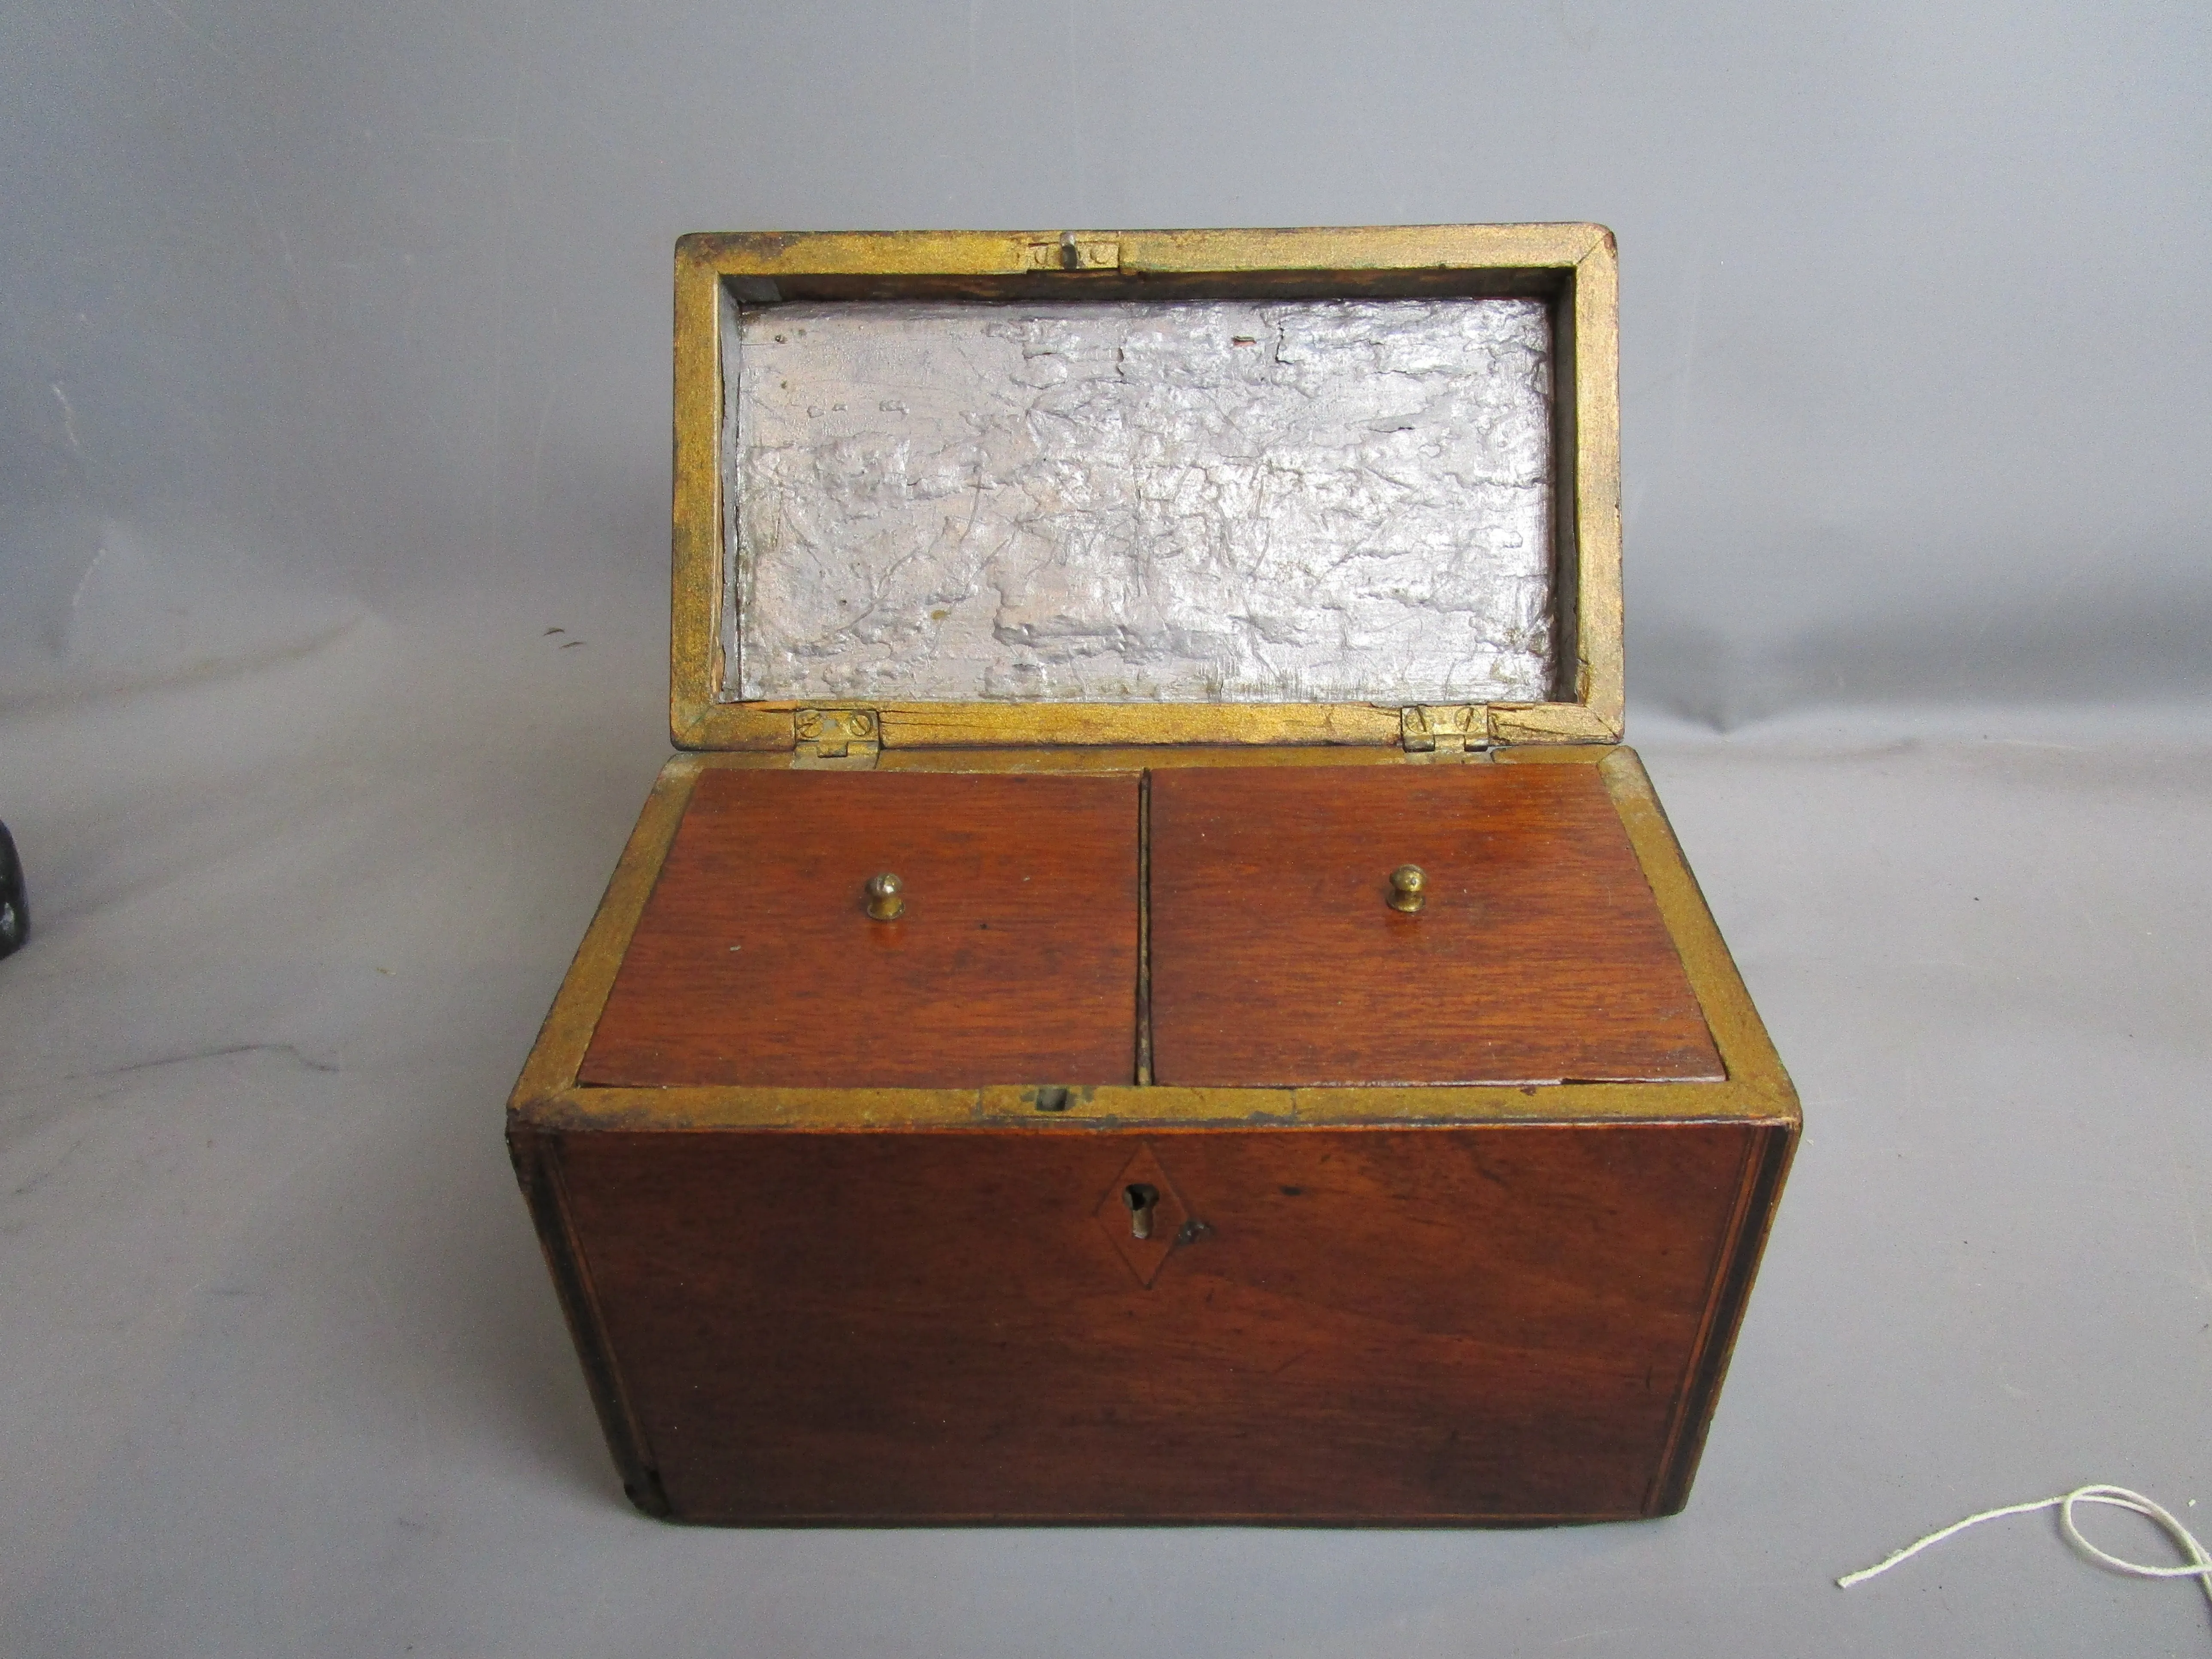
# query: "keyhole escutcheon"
[[1142, 1198]]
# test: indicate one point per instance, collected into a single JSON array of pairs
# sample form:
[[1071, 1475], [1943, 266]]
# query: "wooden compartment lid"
[[1008, 953], [1531, 950], [954, 489]]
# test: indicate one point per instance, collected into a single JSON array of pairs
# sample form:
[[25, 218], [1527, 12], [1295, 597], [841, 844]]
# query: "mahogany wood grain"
[[756, 961], [1540, 955], [1501, 1323]]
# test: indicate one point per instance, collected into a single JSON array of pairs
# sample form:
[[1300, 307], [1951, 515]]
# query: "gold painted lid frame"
[[1573, 267]]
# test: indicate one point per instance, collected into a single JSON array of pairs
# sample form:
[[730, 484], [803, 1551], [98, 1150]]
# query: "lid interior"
[[1301, 499], [1249, 487]]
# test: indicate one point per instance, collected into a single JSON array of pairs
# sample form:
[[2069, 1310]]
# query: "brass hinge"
[[1438, 730], [1074, 253], [850, 737]]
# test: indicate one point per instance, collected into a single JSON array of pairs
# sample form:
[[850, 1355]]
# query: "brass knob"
[[1407, 885], [886, 897]]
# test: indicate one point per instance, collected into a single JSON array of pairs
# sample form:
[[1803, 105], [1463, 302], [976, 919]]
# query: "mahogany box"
[[1153, 992]]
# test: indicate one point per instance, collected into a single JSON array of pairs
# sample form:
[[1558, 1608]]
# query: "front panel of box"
[[1411, 1325]]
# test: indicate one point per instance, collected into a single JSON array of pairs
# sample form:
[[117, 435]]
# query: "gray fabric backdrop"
[[333, 370]]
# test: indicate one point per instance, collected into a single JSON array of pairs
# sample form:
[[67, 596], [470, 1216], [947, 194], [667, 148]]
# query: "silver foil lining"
[[1307, 501]]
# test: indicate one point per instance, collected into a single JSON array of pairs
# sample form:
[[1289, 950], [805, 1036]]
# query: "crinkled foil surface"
[[1307, 501]]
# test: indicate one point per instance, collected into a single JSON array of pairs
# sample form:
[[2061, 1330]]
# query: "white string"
[[2118, 1497]]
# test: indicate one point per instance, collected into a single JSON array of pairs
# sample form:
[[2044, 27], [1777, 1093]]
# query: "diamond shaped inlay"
[[1142, 1199]]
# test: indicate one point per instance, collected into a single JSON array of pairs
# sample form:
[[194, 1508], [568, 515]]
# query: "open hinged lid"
[[1346, 486]]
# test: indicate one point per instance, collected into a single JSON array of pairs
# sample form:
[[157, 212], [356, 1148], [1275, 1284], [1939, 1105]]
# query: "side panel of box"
[[1501, 1323], [536, 1166], [1764, 1171]]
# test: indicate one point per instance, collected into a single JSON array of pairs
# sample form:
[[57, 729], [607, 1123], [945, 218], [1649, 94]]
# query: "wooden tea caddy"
[[1152, 1149]]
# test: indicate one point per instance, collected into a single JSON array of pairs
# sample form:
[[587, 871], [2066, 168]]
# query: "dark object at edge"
[[15, 903]]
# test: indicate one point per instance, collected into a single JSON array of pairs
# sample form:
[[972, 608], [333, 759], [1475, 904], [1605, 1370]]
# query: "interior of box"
[[1274, 495], [1224, 926]]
